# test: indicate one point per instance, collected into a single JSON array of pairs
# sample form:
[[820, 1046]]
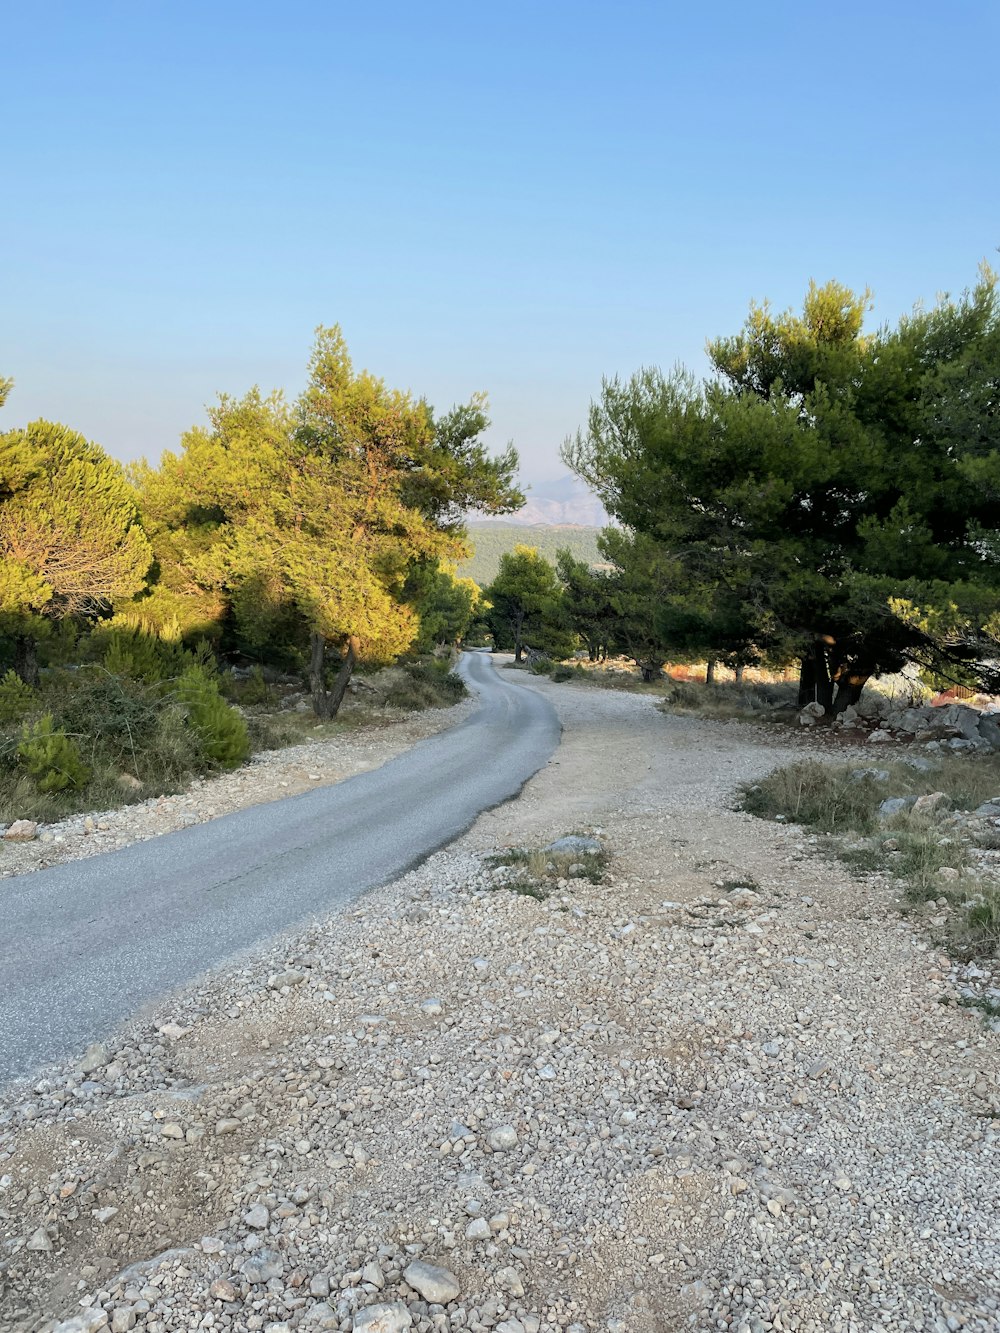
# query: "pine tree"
[[70, 538]]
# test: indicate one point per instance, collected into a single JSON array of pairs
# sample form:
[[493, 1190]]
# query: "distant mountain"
[[493, 538], [563, 501]]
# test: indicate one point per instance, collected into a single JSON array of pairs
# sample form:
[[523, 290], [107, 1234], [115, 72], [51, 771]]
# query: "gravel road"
[[727, 1088], [85, 944]]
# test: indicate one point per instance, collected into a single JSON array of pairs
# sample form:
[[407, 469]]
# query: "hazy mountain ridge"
[[497, 537], [566, 501]]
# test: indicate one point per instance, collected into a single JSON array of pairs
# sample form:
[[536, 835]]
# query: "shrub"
[[982, 921], [248, 690], [221, 730], [118, 716], [16, 698], [823, 796], [51, 758], [541, 666], [564, 673], [425, 685], [135, 655]]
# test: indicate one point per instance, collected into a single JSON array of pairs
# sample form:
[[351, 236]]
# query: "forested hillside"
[[493, 540]]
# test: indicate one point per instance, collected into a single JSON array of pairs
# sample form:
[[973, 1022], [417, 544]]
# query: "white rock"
[[437, 1285], [257, 1217], [392, 1317], [88, 1322]]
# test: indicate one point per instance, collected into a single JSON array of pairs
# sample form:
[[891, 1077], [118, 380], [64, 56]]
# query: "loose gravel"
[[715, 1091]]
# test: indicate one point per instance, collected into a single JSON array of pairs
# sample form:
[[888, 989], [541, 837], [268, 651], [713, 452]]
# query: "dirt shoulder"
[[717, 1090]]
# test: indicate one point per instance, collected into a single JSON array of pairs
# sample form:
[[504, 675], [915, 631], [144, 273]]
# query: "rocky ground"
[[269, 776], [718, 1090]]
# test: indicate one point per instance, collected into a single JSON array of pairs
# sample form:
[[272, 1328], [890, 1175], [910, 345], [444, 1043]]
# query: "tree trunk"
[[851, 682], [518, 645], [738, 673], [26, 658], [317, 679], [815, 685], [710, 671], [336, 696], [326, 703]]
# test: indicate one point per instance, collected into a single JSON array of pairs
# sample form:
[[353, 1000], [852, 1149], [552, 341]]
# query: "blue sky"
[[516, 197]]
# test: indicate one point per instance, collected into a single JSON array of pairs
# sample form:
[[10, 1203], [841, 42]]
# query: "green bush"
[[430, 684], [117, 715], [135, 655], [221, 730], [564, 673], [51, 758], [252, 690], [16, 698], [541, 666]]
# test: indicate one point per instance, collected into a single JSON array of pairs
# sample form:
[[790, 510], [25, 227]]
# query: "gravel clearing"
[[715, 1091]]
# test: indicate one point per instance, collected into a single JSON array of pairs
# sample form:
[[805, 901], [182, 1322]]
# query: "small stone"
[[372, 1273], [40, 1241], [432, 1008], [931, 803], [510, 1280], [478, 1229], [392, 1317], [263, 1266], [291, 977], [173, 1030], [948, 873], [227, 1126], [94, 1058], [895, 805], [257, 1217], [436, 1285], [103, 1215], [22, 830], [574, 843], [88, 1322], [503, 1138], [319, 1285], [223, 1290]]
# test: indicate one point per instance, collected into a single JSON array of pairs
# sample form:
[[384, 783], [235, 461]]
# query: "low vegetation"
[[928, 844], [535, 872], [92, 738]]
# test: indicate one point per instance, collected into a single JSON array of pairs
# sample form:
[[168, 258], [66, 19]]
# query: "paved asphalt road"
[[84, 945]]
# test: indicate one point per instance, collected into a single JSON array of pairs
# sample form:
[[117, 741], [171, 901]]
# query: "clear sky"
[[519, 197]]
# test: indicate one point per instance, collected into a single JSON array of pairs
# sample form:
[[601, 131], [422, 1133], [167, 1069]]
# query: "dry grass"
[[538, 870], [914, 847]]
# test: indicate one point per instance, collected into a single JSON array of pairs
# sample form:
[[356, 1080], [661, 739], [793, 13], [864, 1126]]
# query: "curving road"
[[86, 944]]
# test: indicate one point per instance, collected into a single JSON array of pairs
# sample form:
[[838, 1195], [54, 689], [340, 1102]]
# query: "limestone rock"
[[436, 1285], [895, 805], [574, 843], [22, 830], [88, 1322], [392, 1317]]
